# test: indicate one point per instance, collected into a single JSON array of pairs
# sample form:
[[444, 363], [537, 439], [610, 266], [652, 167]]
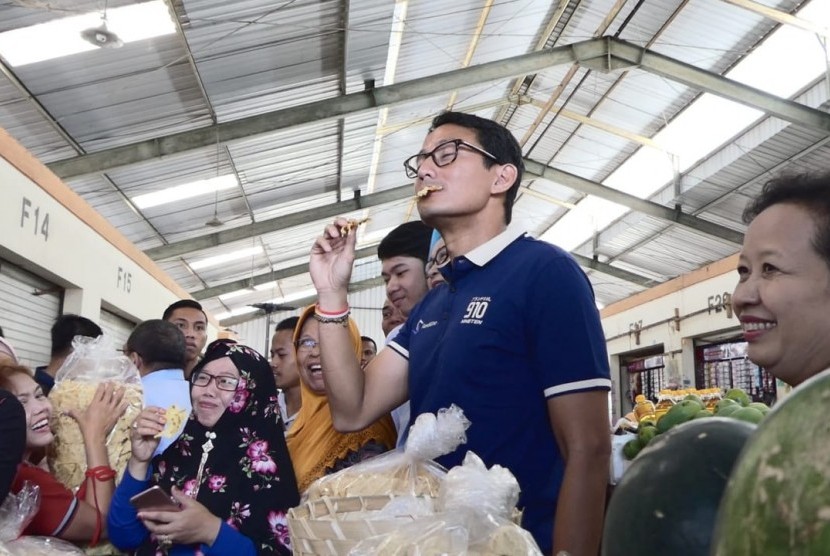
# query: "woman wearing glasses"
[[229, 471], [317, 449]]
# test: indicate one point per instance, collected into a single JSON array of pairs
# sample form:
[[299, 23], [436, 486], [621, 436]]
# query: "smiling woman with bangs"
[[62, 514]]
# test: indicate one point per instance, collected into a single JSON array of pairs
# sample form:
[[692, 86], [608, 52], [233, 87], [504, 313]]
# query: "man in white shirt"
[[192, 320], [284, 367]]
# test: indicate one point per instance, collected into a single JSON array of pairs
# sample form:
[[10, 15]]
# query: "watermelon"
[[666, 502], [777, 501]]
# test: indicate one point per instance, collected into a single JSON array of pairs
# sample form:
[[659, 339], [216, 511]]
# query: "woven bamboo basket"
[[324, 527]]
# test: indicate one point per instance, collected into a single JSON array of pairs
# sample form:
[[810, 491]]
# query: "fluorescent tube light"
[[226, 257], [185, 191]]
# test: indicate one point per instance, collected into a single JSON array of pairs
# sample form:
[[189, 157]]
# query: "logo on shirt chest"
[[476, 310], [420, 325]]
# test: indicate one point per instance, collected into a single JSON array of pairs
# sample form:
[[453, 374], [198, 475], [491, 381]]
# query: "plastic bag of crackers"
[[407, 472], [475, 515], [93, 360]]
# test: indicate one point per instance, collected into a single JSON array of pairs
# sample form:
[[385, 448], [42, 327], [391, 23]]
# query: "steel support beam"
[[280, 223], [603, 54], [323, 110], [288, 272], [788, 110], [260, 279], [353, 288], [605, 268], [656, 210], [533, 169], [781, 17]]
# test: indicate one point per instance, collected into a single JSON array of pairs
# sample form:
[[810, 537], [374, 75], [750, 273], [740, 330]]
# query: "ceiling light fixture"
[[62, 36], [101, 36]]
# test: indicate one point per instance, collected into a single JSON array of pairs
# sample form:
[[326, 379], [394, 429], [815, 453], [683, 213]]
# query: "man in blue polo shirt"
[[514, 338]]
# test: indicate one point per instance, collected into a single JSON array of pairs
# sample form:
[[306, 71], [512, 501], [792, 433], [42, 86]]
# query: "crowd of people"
[[478, 314]]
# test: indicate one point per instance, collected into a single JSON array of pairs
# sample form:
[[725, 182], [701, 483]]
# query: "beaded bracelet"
[[342, 319]]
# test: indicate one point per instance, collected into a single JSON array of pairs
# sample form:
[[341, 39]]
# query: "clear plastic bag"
[[410, 471], [493, 492], [38, 546], [450, 535], [475, 515], [18, 510], [93, 361]]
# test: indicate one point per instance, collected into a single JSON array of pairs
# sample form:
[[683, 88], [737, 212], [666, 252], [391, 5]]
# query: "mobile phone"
[[155, 499]]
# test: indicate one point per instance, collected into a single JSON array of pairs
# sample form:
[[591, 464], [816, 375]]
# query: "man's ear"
[[136, 359], [504, 179]]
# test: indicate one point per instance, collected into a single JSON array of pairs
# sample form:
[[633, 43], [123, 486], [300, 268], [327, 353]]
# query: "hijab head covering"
[[314, 444], [247, 480]]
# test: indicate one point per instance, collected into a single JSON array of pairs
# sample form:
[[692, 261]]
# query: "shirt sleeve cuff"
[[230, 541], [131, 485]]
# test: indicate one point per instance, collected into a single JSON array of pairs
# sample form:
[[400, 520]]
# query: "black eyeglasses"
[[228, 383], [441, 257], [442, 155], [306, 343]]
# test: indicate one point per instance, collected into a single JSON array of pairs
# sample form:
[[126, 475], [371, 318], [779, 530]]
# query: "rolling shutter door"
[[28, 309], [116, 328]]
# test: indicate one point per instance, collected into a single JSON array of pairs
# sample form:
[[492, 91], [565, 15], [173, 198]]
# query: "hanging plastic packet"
[[410, 471]]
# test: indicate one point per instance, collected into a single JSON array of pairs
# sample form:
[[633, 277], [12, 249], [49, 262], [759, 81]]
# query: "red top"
[[57, 503]]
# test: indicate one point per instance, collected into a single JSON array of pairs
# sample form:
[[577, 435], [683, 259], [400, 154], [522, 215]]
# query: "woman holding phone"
[[228, 476]]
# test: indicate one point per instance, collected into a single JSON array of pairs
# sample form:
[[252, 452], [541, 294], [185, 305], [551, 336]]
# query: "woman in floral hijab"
[[230, 463]]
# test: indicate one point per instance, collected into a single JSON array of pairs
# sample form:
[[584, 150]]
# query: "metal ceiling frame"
[[364, 252], [620, 54], [533, 169], [264, 278], [278, 223], [318, 111], [603, 54], [633, 202], [353, 288]]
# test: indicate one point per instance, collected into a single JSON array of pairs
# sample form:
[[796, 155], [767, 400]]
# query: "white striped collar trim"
[[485, 252], [594, 383]]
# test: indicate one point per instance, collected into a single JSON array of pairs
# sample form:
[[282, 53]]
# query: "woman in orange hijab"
[[316, 448]]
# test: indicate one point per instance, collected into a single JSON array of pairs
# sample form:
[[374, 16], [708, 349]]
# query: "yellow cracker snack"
[[66, 455], [350, 225], [426, 190], [175, 416]]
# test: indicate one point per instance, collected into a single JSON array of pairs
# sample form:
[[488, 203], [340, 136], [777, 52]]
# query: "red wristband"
[[340, 313], [100, 473]]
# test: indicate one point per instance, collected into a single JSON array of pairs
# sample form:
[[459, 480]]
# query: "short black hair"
[[183, 304], [495, 139], [160, 343], [410, 239], [808, 191], [66, 327], [287, 324], [1, 333], [368, 339]]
